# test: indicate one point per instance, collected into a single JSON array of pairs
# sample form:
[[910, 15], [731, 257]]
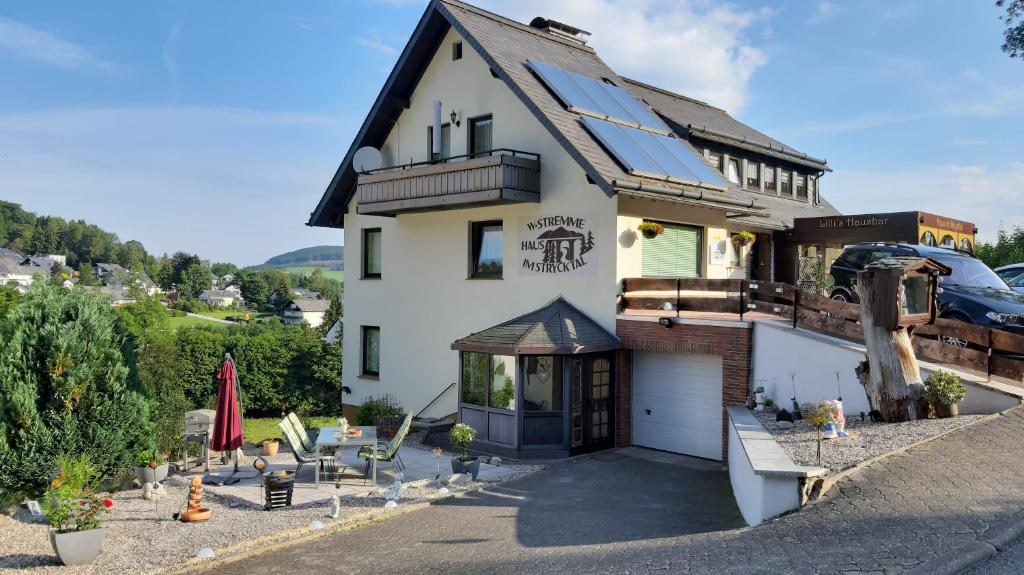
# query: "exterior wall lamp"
[[456, 119], [665, 322]]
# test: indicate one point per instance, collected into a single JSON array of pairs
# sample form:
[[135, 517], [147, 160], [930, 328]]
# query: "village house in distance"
[[492, 204]]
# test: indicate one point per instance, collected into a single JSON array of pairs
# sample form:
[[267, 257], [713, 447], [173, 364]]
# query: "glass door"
[[591, 402]]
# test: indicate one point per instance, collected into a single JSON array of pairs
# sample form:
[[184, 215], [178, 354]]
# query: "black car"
[[972, 293]]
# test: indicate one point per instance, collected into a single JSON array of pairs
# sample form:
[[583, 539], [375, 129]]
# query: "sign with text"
[[557, 244]]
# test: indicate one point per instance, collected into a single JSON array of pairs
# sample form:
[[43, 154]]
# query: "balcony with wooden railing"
[[985, 350], [500, 176]]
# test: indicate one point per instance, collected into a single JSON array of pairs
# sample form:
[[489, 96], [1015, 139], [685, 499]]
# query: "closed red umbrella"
[[227, 428]]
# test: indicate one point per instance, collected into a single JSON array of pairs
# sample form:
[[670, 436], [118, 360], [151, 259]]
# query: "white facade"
[[298, 317], [424, 301]]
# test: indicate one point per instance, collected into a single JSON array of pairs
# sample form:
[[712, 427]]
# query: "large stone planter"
[[151, 475], [77, 547], [471, 467], [947, 410]]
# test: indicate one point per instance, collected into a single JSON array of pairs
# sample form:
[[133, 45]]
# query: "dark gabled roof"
[[506, 45], [557, 328], [705, 121]]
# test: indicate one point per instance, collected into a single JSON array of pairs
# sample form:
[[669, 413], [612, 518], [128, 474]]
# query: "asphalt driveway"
[[602, 502]]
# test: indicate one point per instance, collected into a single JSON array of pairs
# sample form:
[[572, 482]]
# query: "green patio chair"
[[386, 451], [308, 439], [299, 450]]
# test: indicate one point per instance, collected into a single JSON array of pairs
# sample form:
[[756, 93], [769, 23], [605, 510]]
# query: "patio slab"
[[420, 466]]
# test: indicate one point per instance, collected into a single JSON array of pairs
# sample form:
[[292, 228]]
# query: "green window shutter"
[[675, 253]]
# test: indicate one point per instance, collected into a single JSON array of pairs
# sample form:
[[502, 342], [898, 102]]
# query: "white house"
[[12, 272], [483, 276], [305, 310], [117, 276], [221, 298]]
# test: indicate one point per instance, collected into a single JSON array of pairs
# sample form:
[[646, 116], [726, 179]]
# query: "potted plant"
[[743, 239], [460, 436], [651, 230], [944, 391], [385, 412], [269, 447], [73, 509], [818, 416], [151, 467]]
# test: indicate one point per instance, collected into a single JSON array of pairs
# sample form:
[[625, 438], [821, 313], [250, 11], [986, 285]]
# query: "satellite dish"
[[367, 159]]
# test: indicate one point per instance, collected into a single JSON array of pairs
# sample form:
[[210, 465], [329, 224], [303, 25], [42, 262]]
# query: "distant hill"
[[327, 257]]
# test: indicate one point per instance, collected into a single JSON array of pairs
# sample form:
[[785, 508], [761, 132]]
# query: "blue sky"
[[214, 127]]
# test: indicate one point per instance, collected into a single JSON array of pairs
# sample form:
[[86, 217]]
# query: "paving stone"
[[891, 517]]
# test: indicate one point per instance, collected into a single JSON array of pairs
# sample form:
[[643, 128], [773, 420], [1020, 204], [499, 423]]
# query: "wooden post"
[[894, 386]]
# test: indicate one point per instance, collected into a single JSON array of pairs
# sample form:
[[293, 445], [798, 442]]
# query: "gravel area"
[[143, 538], [864, 439]]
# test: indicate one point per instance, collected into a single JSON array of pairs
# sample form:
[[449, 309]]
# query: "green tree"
[[335, 312], [221, 269], [163, 273], [254, 287], [145, 319], [194, 279], [1013, 36], [132, 255], [1007, 249], [85, 274], [65, 388], [9, 297], [157, 367]]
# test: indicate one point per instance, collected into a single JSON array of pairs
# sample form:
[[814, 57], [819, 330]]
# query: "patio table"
[[328, 437]]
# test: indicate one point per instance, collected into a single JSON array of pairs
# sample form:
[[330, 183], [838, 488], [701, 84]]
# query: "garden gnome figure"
[[335, 507]]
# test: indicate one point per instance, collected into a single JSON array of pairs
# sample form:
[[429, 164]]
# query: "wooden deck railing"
[[982, 349]]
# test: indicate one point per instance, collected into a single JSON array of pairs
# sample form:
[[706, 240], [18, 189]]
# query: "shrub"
[[819, 415], [70, 502], [651, 228], [460, 437], [373, 407], [64, 388], [944, 388]]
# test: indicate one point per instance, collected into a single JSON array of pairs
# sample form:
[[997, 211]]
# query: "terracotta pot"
[[947, 410], [77, 547], [269, 448], [196, 515]]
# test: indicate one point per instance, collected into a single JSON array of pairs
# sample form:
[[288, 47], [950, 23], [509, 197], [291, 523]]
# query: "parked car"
[[1010, 272], [973, 293], [1017, 283]]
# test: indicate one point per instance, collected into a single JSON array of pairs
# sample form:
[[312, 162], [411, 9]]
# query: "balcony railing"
[[495, 177]]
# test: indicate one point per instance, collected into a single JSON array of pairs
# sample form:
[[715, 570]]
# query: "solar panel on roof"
[[596, 98], [651, 155]]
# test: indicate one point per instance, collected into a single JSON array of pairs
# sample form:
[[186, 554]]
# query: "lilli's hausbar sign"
[[556, 244]]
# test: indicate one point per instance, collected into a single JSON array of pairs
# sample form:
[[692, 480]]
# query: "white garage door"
[[677, 403]]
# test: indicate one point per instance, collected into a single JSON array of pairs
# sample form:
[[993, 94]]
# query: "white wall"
[[424, 301], [633, 211], [759, 496], [781, 350]]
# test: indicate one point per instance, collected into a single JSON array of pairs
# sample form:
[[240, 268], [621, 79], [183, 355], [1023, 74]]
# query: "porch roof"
[[557, 328]]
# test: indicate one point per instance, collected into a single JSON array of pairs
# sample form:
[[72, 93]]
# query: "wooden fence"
[[981, 349]]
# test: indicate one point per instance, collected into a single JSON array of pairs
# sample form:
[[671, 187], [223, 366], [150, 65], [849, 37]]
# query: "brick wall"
[[732, 344]]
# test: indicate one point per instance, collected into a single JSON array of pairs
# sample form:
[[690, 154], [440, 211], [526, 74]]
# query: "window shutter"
[[675, 253]]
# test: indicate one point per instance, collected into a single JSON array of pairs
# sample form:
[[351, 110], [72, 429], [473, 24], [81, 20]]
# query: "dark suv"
[[972, 293]]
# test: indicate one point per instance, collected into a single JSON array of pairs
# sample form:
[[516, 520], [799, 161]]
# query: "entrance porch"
[[541, 385]]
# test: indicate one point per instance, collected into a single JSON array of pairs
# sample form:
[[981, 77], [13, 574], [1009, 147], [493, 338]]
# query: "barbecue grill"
[[198, 429]]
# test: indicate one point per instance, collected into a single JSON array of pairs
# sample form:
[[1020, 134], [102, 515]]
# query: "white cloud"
[[986, 196], [230, 184], [825, 11], [692, 47], [39, 45], [374, 42]]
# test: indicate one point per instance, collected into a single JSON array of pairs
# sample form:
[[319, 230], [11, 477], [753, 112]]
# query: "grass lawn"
[[333, 274], [224, 313], [259, 429], [186, 321]]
